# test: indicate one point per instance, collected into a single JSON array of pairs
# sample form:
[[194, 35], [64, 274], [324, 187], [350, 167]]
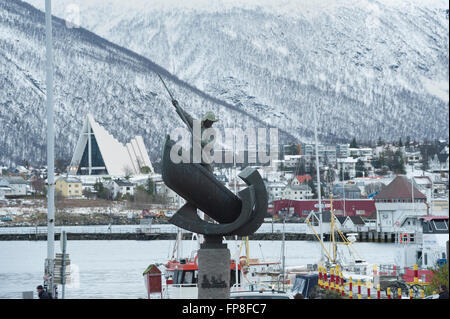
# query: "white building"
[[347, 164], [327, 153], [342, 150], [275, 190], [123, 187], [365, 153], [413, 157], [353, 224], [292, 161], [391, 217], [4, 191], [296, 190], [439, 163], [395, 205], [162, 190], [13, 186], [99, 153]]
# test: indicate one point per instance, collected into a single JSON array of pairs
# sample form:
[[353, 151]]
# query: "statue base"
[[213, 269]]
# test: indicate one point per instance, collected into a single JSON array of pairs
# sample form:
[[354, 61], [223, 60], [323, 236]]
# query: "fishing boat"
[[179, 276]]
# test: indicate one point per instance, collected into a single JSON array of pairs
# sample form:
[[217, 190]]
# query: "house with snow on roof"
[[353, 224], [13, 186], [297, 189], [69, 187], [122, 187]]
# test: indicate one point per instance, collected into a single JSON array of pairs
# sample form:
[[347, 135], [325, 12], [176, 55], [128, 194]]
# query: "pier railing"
[[332, 281]]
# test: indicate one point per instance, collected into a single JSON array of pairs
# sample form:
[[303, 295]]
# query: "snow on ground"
[[414, 171], [14, 207]]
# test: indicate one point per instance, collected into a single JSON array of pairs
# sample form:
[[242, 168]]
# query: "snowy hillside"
[[92, 75], [374, 68]]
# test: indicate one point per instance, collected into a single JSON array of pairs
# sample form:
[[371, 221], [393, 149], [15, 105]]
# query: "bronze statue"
[[241, 214], [206, 122]]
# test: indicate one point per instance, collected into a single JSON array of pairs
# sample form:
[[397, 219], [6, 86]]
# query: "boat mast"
[[343, 188], [179, 235], [332, 228], [50, 152], [412, 194], [431, 198], [319, 194]]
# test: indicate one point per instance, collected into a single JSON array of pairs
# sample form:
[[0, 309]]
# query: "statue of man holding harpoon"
[[206, 123]]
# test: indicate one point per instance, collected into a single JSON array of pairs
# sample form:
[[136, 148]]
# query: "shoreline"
[[163, 236]]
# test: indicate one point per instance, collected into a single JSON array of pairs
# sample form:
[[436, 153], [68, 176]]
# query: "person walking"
[[443, 293], [42, 293]]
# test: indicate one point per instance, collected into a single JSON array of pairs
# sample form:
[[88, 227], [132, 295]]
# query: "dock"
[[118, 233]]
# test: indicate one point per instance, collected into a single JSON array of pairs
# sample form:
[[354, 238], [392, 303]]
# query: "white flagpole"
[[50, 148]]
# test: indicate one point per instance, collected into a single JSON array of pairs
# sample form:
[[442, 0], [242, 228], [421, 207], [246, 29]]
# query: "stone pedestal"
[[213, 269]]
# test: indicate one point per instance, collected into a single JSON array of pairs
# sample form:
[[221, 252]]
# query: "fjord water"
[[113, 269]]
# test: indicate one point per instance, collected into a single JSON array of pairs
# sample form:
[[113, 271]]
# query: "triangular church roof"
[[116, 158]]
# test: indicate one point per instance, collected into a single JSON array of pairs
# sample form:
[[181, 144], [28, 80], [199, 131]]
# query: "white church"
[[98, 154]]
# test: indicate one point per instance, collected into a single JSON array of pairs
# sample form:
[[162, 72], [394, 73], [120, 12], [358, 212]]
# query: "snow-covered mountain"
[[117, 86], [373, 68]]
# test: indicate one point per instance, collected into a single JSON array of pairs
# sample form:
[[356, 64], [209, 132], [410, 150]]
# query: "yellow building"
[[68, 187]]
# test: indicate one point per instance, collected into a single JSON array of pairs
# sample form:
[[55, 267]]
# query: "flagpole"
[[50, 152]]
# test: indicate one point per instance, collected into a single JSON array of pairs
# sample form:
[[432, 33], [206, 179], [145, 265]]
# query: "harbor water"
[[113, 269]]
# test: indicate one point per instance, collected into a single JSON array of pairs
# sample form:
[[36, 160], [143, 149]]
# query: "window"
[[188, 276], [440, 224], [177, 274], [360, 212]]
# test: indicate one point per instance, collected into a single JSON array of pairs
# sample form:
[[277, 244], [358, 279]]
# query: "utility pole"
[[49, 263]]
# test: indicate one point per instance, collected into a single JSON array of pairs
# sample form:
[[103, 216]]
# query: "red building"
[[353, 207]]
